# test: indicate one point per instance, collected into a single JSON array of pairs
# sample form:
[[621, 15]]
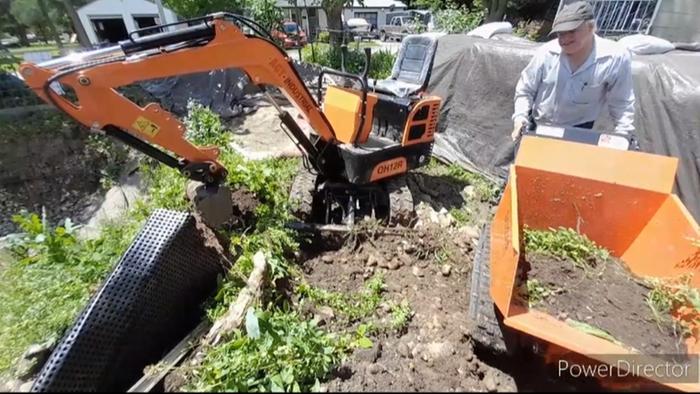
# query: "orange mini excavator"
[[363, 138]]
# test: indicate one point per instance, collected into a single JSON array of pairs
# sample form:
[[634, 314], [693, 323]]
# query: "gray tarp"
[[476, 78]]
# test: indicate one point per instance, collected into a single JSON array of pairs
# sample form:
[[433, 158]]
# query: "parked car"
[[399, 27], [359, 27], [291, 35]]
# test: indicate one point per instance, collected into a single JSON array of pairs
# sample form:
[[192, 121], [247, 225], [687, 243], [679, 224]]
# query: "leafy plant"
[[324, 36], [290, 354], [266, 13], [565, 243], [401, 315], [537, 292], [353, 306], [457, 18], [380, 66], [669, 296], [204, 126]]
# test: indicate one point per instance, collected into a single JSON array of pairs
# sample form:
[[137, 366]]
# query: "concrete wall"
[[677, 20], [123, 9]]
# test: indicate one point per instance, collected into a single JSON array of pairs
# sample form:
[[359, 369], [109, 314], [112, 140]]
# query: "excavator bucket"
[[621, 200]]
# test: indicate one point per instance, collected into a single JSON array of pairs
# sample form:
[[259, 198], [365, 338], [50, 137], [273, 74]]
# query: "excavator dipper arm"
[[217, 43]]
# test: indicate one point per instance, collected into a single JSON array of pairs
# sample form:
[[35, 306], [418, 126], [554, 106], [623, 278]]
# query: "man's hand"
[[518, 125]]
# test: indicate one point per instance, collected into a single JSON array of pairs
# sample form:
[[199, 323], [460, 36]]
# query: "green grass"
[[565, 243], [48, 281]]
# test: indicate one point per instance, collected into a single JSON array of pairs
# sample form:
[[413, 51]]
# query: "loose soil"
[[429, 267], [607, 296], [434, 351]]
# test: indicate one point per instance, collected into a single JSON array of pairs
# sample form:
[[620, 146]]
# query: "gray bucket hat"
[[572, 16]]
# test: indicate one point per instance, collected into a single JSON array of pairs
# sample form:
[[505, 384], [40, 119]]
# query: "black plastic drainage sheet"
[[149, 302]]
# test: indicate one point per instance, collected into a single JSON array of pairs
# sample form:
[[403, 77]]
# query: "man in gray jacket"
[[571, 78]]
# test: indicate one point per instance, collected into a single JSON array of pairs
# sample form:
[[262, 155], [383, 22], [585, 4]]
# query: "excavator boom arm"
[[213, 45]]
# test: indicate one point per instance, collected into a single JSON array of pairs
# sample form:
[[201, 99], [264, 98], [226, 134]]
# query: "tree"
[[39, 15], [334, 15], [265, 13], [9, 24], [195, 8]]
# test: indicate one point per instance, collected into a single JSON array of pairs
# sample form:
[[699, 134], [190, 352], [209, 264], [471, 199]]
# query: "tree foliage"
[[266, 13], [195, 8]]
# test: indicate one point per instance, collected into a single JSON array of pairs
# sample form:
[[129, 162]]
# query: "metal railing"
[[618, 17]]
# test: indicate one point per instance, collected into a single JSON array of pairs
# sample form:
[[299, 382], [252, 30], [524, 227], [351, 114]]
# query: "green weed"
[[401, 314], [668, 295], [538, 292], [290, 354], [565, 243], [353, 306]]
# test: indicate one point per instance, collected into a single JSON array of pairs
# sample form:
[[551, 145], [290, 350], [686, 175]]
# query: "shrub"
[[324, 36], [457, 19], [380, 66]]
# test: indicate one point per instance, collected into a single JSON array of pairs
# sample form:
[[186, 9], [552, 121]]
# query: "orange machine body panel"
[[343, 109], [619, 199], [424, 126]]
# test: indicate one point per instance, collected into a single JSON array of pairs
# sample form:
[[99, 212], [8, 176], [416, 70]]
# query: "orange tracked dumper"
[[621, 200]]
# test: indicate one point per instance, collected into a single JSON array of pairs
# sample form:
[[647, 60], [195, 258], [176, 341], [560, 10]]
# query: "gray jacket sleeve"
[[620, 96]]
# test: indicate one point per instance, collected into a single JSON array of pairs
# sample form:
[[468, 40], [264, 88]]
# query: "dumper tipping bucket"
[[622, 201]]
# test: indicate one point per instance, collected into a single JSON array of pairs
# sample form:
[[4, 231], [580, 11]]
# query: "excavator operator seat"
[[412, 68]]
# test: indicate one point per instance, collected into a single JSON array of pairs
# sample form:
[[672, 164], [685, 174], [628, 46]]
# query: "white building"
[[314, 18], [110, 21]]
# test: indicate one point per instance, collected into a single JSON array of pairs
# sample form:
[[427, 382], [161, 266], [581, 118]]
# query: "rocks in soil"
[[394, 264], [33, 359], [343, 372], [469, 191], [324, 315], [417, 271], [490, 382], [375, 369], [403, 350], [471, 231], [370, 355], [373, 259], [446, 269]]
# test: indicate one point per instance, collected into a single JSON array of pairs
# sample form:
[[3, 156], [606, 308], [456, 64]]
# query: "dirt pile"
[[602, 295], [423, 345]]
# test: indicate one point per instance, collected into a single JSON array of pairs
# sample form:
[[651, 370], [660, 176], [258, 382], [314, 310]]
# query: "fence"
[[619, 17]]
